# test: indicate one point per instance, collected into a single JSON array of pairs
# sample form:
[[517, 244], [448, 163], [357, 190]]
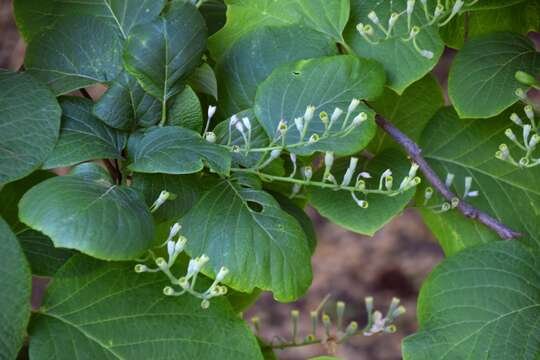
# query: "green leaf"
[[30, 121], [83, 137], [107, 311], [35, 16], [467, 148], [300, 215], [185, 111], [125, 105], [326, 83], [214, 13], [79, 51], [481, 303], [106, 222], [176, 150], [244, 16], [482, 82], [410, 111], [340, 207], [185, 188], [520, 18], [403, 63], [11, 193], [15, 282], [245, 229], [43, 257], [203, 80], [253, 57], [93, 172], [494, 4], [161, 53]]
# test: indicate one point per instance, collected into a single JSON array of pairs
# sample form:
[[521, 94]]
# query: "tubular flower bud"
[[529, 112], [246, 122], [353, 105], [374, 18], [427, 54], [299, 122], [328, 160], [516, 119], [222, 273], [307, 171], [457, 6], [313, 138], [439, 9], [335, 116], [310, 112], [360, 118], [210, 137], [449, 180], [410, 7], [211, 112], [353, 163]]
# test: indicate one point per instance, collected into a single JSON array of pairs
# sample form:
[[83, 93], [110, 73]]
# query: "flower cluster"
[[441, 16], [447, 206], [187, 282], [526, 142]]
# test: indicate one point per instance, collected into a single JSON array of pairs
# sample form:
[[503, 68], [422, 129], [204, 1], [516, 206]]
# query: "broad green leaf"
[[402, 62], [29, 123], [186, 190], [203, 80], [243, 16], [126, 105], [243, 301], [467, 148], [11, 193], [244, 229], [326, 83], [43, 257], [483, 303], [176, 150], [340, 207], [83, 137], [410, 111], [100, 310], [93, 172], [214, 13], [494, 4], [520, 18], [482, 82], [253, 57], [185, 111], [16, 285], [79, 51], [35, 16], [163, 52], [104, 221]]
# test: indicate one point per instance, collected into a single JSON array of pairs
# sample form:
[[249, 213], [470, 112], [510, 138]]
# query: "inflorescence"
[[187, 282], [442, 15], [335, 332], [447, 206]]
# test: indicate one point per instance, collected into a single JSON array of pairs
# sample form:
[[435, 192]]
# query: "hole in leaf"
[[255, 206], [296, 73]]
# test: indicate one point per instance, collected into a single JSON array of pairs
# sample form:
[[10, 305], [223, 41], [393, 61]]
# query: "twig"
[[466, 209]]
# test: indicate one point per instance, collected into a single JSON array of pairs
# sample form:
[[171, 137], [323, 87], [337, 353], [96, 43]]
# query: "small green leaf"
[[402, 62], [43, 257], [15, 282], [79, 51], [186, 190], [326, 83], [161, 53], [83, 137], [244, 16], [410, 111], [481, 303], [125, 105], [245, 230], [175, 150], [11, 193], [35, 16], [107, 222], [482, 82], [185, 110], [340, 207], [253, 57], [203, 80], [30, 121], [466, 148], [107, 311]]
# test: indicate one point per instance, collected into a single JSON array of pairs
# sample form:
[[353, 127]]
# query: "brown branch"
[[466, 209]]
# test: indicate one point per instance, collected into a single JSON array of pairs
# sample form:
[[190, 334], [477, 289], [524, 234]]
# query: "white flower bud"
[[449, 180], [413, 170], [360, 118], [504, 152], [365, 175], [373, 17], [140, 268], [205, 304], [516, 119], [234, 120], [210, 137], [473, 193], [180, 244], [161, 263], [313, 139], [170, 248], [162, 198], [310, 112], [328, 160], [526, 132], [529, 112], [336, 115], [414, 31], [428, 193], [246, 122], [168, 291], [307, 171], [282, 127], [410, 7], [388, 182], [299, 122], [392, 21], [535, 139], [222, 273], [427, 54], [353, 105], [211, 112], [353, 163], [239, 127], [457, 6], [368, 30], [386, 173], [468, 184], [274, 154], [175, 229], [439, 9]]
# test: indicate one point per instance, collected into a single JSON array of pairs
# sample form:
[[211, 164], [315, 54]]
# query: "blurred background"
[[346, 266]]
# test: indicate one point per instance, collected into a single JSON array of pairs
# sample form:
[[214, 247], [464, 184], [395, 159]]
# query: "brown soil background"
[[347, 266]]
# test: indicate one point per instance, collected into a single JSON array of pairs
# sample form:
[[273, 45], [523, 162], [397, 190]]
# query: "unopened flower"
[[310, 112], [353, 105], [211, 112], [210, 137], [222, 273], [374, 18]]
